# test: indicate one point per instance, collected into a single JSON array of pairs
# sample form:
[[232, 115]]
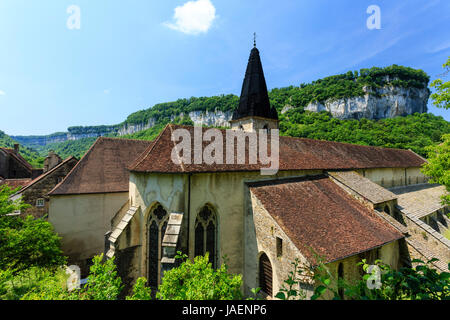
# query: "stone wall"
[[43, 186], [394, 177]]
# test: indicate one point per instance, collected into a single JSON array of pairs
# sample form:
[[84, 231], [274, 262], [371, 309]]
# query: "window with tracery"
[[206, 234], [156, 226]]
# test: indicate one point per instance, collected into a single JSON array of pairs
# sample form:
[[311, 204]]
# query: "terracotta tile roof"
[[18, 157], [295, 154], [316, 213], [366, 188], [42, 176], [15, 183], [103, 168]]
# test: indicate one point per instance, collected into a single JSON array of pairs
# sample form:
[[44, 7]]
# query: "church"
[[337, 201]]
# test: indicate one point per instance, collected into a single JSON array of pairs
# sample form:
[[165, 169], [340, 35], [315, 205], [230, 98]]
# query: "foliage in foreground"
[[25, 242], [199, 281], [422, 282]]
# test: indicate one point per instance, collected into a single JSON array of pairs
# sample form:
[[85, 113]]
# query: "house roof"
[[18, 157], [420, 200], [103, 168], [316, 213], [294, 154], [46, 174], [363, 186], [15, 183]]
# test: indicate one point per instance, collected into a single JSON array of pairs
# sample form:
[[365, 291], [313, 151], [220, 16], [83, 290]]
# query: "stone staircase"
[[117, 230]]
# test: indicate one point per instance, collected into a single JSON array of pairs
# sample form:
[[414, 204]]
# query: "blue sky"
[[130, 55]]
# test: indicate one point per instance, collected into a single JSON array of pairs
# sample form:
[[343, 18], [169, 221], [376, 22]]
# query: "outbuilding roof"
[[363, 186], [15, 183], [103, 168], [317, 214]]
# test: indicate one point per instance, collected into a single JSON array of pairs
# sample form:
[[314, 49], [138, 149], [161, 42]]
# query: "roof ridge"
[[123, 139], [311, 139], [37, 179], [142, 156]]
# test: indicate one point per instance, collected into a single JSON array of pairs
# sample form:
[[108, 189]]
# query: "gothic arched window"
[[206, 234], [265, 274], [156, 227]]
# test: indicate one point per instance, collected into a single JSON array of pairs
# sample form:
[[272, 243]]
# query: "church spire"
[[254, 99]]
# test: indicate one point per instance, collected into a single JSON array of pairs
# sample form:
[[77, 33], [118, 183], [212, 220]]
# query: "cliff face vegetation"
[[358, 107]]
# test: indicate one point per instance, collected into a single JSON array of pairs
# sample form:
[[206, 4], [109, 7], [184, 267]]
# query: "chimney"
[[16, 148]]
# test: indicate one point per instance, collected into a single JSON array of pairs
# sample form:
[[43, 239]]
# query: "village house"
[[82, 204], [35, 191], [15, 171], [13, 165], [339, 201]]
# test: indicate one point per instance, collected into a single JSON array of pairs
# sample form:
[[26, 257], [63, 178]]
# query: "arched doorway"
[[206, 234], [265, 274], [156, 227]]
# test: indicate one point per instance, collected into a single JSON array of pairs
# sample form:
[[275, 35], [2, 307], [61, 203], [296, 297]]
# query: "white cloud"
[[440, 47], [193, 17], [2, 93]]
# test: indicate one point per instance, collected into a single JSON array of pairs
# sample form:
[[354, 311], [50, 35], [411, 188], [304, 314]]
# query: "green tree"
[[422, 282], [103, 283], [140, 291], [441, 98], [25, 242], [199, 281], [438, 166], [7, 205], [32, 243]]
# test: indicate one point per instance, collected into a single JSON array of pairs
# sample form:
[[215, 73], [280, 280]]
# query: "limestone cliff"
[[386, 102]]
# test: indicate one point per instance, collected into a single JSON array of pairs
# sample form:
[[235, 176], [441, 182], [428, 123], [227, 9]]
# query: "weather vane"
[[254, 39]]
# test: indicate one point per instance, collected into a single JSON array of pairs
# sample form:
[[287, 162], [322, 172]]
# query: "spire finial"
[[254, 39]]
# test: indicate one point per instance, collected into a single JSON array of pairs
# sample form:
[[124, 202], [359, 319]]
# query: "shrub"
[[199, 281], [140, 291]]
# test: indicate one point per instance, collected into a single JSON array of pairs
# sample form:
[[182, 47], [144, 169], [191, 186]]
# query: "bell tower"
[[254, 111]]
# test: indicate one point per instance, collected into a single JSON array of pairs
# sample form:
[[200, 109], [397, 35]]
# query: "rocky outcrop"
[[216, 119], [386, 102], [135, 127], [206, 118]]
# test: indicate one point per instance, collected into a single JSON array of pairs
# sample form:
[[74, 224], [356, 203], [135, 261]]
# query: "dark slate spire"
[[254, 98]]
